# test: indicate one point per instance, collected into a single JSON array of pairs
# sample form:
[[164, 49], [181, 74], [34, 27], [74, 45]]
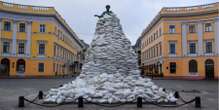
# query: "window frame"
[[7, 48], [170, 49], [41, 67], [192, 28], [40, 51], [42, 28], [192, 42], [206, 49], [20, 29], [172, 30], [172, 67], [208, 28], [193, 66], [21, 51], [6, 28]]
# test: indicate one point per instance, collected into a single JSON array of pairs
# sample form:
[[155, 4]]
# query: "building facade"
[[182, 42], [36, 41]]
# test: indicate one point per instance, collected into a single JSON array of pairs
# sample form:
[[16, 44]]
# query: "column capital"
[[15, 21], [29, 22]]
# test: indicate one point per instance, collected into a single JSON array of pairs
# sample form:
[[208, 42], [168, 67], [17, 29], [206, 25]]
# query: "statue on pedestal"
[[105, 12]]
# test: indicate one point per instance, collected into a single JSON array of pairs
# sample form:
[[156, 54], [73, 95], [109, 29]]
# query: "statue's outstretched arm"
[[97, 16], [105, 12]]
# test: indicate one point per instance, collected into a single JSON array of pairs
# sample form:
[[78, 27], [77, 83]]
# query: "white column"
[[216, 30], [14, 41], [1, 36], [200, 39], [184, 40], [28, 44]]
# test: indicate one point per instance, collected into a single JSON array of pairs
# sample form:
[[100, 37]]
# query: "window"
[[160, 32], [154, 36], [6, 47], [7, 26], [42, 49], [172, 48], [42, 28], [192, 48], [208, 27], [21, 48], [172, 29], [192, 28], [160, 48], [208, 47], [54, 67], [22, 27], [172, 67], [193, 67], [41, 67]]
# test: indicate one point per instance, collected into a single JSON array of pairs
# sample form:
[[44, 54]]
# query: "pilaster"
[[29, 32], [216, 30], [0, 36], [14, 38], [200, 38], [184, 40]]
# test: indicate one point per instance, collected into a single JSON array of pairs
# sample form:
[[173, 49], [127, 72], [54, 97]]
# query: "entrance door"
[[5, 67], [20, 67], [209, 69]]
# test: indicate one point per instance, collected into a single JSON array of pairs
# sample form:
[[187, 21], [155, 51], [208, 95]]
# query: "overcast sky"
[[134, 15]]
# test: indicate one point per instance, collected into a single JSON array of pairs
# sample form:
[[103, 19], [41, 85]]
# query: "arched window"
[[209, 62], [20, 66], [193, 66], [209, 69]]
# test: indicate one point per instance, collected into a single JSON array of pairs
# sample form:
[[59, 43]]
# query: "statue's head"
[[107, 23], [107, 7]]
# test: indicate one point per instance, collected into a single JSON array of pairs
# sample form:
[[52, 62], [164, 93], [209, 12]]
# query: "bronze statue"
[[105, 12]]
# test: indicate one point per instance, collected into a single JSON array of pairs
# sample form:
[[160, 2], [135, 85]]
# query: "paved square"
[[10, 89]]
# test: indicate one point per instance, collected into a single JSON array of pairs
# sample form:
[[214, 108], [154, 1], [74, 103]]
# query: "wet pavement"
[[11, 89]]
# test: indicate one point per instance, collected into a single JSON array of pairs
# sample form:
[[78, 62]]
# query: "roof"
[[39, 11], [181, 12]]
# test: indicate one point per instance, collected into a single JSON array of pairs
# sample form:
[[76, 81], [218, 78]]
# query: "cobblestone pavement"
[[10, 89]]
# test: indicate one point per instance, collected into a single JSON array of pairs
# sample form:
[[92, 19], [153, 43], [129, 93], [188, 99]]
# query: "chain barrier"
[[177, 105], [42, 105], [35, 99], [110, 105]]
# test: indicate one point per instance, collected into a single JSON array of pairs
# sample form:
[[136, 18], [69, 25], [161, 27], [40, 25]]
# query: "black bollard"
[[176, 95], [197, 102], [139, 102], [164, 89], [40, 95], [80, 102], [21, 101]]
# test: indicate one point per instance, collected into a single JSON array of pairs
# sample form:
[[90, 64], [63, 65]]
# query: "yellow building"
[[182, 42], [36, 41]]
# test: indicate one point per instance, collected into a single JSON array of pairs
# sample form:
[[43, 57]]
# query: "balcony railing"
[[200, 8], [26, 8]]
